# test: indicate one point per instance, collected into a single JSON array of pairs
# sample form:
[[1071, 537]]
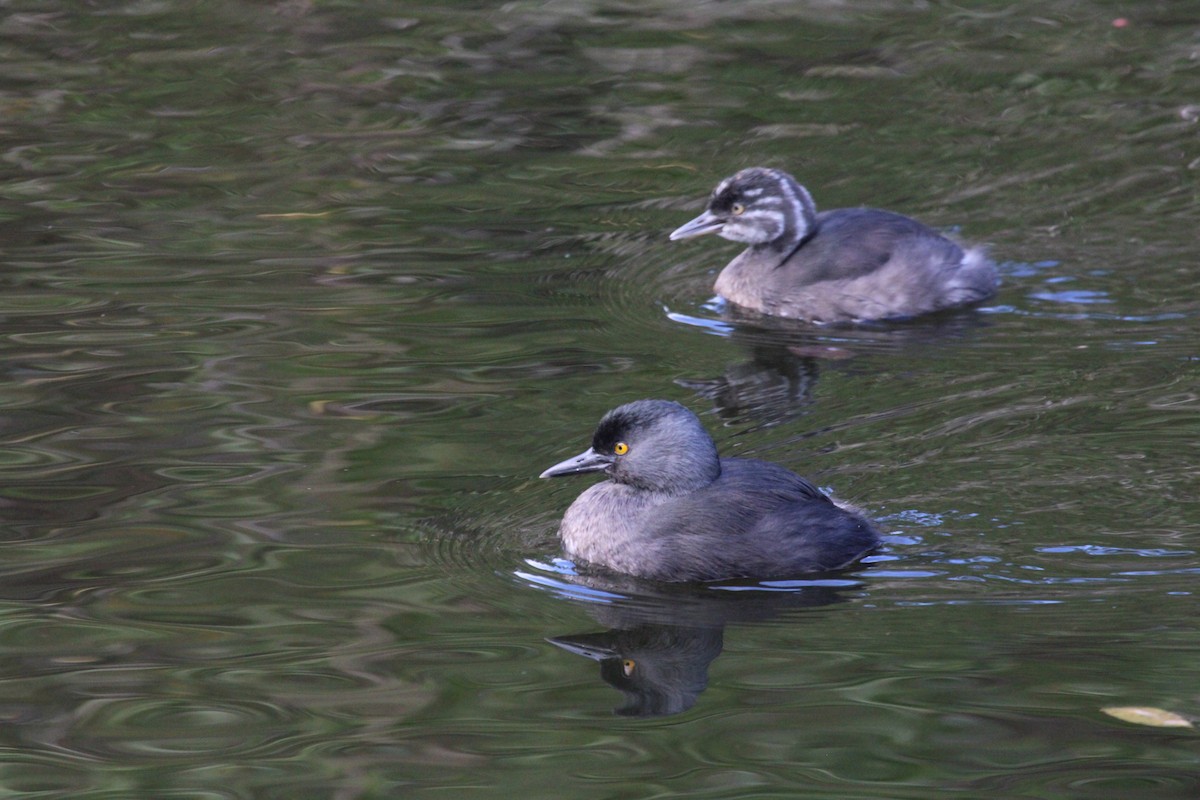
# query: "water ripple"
[[163, 729]]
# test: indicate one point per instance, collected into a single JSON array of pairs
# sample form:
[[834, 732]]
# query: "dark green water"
[[299, 298]]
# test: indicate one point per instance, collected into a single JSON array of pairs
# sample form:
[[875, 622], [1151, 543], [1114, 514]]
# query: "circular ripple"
[[167, 728], [493, 543]]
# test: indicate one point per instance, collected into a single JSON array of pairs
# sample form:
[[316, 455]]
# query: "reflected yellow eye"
[[628, 666], [621, 448], [737, 209]]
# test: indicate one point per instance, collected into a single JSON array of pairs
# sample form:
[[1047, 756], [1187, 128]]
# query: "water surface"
[[299, 298]]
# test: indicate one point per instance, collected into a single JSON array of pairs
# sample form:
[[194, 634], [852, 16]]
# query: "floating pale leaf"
[[1146, 715], [296, 215]]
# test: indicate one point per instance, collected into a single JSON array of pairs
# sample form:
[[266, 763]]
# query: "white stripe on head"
[[757, 226], [798, 199]]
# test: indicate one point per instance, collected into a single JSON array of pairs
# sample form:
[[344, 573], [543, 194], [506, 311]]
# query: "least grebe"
[[850, 264], [673, 510]]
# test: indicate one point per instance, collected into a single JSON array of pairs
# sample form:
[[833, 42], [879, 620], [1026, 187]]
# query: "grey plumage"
[[843, 265], [673, 510]]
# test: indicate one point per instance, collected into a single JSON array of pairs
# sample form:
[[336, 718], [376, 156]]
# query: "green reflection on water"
[[301, 297]]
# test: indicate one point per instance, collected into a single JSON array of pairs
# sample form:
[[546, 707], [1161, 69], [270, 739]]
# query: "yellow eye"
[[628, 666], [737, 209], [620, 448]]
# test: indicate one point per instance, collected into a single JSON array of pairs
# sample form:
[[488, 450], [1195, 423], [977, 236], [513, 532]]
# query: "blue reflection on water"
[[572, 591], [1100, 550], [714, 326]]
